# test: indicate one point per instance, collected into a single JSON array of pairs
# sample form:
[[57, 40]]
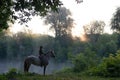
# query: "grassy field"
[[69, 76]]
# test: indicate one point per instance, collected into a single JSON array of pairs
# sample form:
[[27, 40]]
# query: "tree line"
[[22, 44]]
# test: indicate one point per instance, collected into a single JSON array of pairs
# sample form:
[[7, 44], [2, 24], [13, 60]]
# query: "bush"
[[80, 63], [2, 77], [11, 73], [84, 61], [109, 67]]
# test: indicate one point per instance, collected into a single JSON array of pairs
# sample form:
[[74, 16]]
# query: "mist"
[[52, 67]]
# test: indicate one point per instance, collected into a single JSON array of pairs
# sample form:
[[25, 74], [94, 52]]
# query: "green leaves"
[[110, 66], [5, 12], [24, 9]]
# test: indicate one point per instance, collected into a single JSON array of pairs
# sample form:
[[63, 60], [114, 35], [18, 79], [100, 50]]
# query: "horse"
[[35, 60]]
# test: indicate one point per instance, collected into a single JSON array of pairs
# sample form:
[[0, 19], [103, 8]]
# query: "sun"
[[77, 32]]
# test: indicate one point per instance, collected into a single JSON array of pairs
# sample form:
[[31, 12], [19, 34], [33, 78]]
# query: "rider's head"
[[41, 47]]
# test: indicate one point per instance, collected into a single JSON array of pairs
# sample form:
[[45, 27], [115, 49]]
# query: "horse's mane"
[[46, 52]]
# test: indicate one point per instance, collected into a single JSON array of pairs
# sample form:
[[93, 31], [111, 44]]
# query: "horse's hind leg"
[[27, 68]]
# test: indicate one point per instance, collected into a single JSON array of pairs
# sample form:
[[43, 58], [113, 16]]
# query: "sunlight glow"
[[83, 37], [79, 33], [36, 26]]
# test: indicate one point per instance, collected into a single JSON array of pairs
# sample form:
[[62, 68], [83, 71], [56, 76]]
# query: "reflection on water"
[[5, 66]]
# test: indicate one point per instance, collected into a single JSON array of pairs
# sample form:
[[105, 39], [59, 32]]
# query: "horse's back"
[[33, 60]]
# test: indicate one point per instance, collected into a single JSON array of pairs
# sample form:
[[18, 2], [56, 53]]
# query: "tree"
[[25, 9], [24, 44], [115, 21], [61, 22], [94, 29], [22, 10], [5, 12], [3, 45]]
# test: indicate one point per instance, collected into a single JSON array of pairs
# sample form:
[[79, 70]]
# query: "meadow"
[[55, 76]]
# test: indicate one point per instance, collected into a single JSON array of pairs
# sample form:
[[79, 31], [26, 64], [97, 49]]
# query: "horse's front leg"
[[44, 70]]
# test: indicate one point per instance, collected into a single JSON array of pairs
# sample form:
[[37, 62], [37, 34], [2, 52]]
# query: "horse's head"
[[52, 54]]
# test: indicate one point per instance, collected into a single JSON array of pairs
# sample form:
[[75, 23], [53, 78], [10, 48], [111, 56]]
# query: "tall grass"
[[14, 75]]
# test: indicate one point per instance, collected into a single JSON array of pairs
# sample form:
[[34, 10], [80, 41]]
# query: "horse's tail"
[[25, 65]]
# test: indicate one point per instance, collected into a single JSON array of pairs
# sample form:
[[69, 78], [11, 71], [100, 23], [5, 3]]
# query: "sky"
[[82, 14]]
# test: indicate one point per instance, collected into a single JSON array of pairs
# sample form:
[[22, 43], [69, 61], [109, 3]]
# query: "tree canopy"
[[11, 10], [60, 21], [22, 10], [95, 27]]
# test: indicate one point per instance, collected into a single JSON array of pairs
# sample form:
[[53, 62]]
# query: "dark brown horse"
[[36, 61]]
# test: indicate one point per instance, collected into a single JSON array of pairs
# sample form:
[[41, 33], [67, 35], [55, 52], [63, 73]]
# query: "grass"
[[62, 76], [13, 74]]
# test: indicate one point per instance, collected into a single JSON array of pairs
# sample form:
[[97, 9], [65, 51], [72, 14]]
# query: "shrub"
[[79, 63], [84, 61], [11, 73], [110, 66], [2, 77]]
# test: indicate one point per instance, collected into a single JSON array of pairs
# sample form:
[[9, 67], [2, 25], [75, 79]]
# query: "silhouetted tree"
[[94, 29], [3, 45], [60, 21], [115, 21]]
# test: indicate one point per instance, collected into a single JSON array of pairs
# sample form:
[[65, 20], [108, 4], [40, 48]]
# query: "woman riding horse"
[[41, 54], [35, 60]]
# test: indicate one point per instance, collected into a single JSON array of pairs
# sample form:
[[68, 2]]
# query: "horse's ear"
[[53, 51]]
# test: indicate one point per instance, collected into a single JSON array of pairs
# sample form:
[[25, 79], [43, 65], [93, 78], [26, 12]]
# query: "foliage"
[[3, 45], [60, 22], [5, 13], [110, 66], [93, 30], [115, 21], [80, 63], [22, 44], [95, 27], [11, 74], [22, 10], [84, 61], [2, 77]]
